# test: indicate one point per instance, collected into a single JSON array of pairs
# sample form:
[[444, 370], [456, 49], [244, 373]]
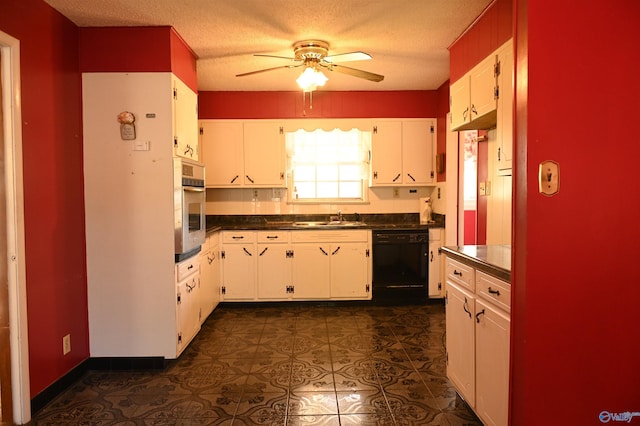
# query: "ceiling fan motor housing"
[[311, 49]]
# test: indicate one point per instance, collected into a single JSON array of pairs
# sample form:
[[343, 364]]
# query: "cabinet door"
[[274, 271], [492, 363], [264, 154], [386, 153], [207, 285], [460, 99], [349, 277], [222, 152], [239, 272], [310, 271], [417, 152], [504, 125], [482, 81], [216, 272], [185, 125], [459, 320], [435, 269], [188, 310]]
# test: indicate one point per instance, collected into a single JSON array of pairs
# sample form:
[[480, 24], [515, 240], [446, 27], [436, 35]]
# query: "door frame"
[[16, 270]]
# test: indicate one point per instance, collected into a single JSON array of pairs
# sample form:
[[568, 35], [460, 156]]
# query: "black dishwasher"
[[400, 266]]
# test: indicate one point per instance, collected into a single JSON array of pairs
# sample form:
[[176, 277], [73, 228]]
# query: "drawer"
[[273, 236], [493, 289], [239, 237], [187, 267], [460, 273], [435, 234], [330, 236]]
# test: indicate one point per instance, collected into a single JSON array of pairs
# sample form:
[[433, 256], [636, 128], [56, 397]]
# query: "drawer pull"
[[323, 252], [496, 292], [247, 251], [272, 237], [455, 272], [237, 238], [478, 316], [465, 307], [263, 251]]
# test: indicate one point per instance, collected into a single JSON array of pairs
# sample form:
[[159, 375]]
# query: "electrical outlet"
[[66, 344]]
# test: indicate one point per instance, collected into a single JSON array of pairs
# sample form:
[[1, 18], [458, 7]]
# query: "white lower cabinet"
[[461, 340], [492, 363], [296, 265], [274, 265], [478, 338], [239, 265], [209, 275], [310, 276], [187, 301], [435, 263]]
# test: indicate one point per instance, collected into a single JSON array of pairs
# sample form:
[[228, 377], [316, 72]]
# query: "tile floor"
[[284, 365]]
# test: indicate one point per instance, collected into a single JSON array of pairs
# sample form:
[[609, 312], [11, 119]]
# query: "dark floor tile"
[[367, 420], [362, 402], [315, 420], [312, 403]]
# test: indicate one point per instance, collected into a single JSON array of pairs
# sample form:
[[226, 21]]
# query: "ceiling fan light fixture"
[[311, 79]]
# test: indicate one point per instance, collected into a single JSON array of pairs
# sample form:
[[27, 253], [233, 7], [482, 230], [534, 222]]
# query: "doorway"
[[15, 402]]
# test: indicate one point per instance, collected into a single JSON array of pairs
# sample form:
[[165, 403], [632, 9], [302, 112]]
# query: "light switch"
[[549, 177]]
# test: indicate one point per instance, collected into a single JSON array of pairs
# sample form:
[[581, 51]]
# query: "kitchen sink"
[[330, 223]]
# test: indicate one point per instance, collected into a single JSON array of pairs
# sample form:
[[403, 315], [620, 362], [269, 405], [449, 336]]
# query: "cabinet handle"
[[455, 272], [473, 109], [411, 177], [190, 267], [249, 179], [397, 177], [241, 237], [272, 237], [263, 251], [281, 175], [375, 175], [464, 113], [465, 307], [496, 292], [335, 251], [234, 179], [246, 251], [324, 252], [431, 252], [498, 154], [210, 260], [478, 316]]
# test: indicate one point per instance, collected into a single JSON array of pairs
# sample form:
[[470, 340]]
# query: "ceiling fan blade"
[[267, 69], [276, 56], [354, 72], [347, 57]]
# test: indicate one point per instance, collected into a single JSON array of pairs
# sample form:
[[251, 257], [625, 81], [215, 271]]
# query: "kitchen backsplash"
[[268, 201]]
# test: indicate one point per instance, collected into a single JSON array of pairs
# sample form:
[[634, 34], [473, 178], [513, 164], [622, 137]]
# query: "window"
[[328, 166]]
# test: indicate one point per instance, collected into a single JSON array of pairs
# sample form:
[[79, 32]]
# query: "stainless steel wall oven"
[[189, 206]]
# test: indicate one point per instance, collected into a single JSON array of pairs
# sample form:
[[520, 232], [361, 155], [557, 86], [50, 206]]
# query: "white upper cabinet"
[[402, 153], [264, 161], [185, 120], [386, 153], [473, 97], [222, 152], [504, 127], [240, 153]]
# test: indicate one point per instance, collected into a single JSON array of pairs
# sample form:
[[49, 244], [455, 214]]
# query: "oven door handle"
[[193, 189]]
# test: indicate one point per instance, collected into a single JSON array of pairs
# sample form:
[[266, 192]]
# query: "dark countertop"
[[408, 221], [493, 259]]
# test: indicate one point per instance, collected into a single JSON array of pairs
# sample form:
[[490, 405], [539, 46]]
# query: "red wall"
[[53, 189], [257, 105], [137, 49], [490, 31], [576, 334], [443, 109]]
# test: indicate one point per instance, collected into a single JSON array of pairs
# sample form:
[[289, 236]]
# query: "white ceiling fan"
[[313, 56]]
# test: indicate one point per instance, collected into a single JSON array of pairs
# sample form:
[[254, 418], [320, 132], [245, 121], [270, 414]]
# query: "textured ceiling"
[[408, 39]]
